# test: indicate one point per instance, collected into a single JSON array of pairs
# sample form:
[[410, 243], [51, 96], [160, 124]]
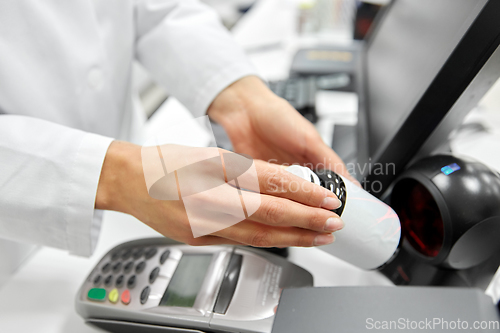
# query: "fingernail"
[[331, 203], [334, 224], [324, 239]]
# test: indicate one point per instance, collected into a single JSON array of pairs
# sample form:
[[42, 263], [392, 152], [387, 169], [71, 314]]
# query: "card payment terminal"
[[158, 285]]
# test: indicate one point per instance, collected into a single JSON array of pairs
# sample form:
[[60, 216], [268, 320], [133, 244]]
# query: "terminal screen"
[[186, 281]]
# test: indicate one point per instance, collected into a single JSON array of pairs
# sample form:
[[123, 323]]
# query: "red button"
[[126, 297]]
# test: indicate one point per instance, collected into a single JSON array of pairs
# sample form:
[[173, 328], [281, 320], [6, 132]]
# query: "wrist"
[[237, 99], [121, 178]]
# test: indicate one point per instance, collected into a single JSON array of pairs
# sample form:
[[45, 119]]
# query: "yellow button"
[[114, 295]]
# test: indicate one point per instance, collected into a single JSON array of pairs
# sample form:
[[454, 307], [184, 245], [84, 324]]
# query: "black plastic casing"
[[469, 203], [333, 182]]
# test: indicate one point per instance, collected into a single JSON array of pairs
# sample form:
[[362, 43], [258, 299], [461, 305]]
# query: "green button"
[[97, 294]]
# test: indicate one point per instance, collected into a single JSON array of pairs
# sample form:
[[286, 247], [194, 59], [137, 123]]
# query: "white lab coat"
[[65, 92]]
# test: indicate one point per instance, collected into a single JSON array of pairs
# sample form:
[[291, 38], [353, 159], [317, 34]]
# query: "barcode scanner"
[[450, 211]]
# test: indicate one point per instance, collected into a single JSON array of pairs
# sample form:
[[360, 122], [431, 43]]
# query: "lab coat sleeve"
[[185, 48], [48, 182]]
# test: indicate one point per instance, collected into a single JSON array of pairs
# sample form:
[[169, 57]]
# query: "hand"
[[285, 216], [267, 127]]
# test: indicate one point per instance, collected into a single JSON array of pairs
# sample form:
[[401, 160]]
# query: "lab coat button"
[[95, 78]]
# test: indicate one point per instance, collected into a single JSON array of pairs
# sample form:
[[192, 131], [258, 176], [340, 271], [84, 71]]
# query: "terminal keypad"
[[119, 273]]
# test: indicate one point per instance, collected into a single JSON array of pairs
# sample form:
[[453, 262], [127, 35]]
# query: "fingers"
[[323, 154], [261, 235], [279, 212], [276, 181]]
